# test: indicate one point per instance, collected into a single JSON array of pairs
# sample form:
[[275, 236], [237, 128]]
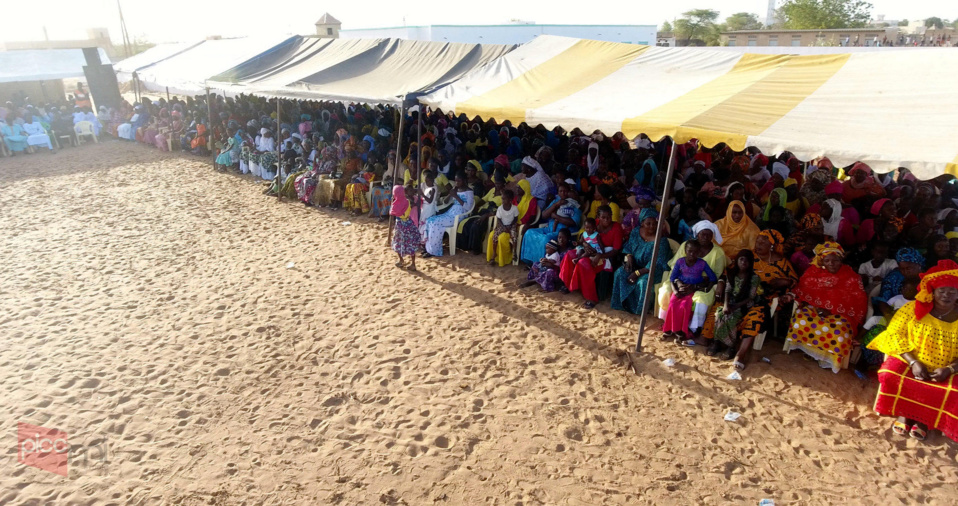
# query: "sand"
[[146, 307]]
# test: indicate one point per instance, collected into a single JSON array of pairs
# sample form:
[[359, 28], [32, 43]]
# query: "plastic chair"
[[84, 129], [3, 147], [452, 231], [70, 136]]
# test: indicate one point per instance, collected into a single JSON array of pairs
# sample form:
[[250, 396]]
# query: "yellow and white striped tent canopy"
[[887, 109]]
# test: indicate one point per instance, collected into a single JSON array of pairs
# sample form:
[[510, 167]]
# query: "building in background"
[[328, 27], [804, 38], [508, 34]]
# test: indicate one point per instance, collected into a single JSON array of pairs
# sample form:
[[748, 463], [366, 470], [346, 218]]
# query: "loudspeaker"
[[101, 79]]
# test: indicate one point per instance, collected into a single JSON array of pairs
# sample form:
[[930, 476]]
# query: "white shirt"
[[428, 208], [506, 218]]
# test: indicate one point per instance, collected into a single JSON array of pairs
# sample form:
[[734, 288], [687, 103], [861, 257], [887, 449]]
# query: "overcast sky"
[[184, 20]]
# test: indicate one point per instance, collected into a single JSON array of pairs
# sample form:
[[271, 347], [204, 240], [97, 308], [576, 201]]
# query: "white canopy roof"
[[43, 64], [885, 108]]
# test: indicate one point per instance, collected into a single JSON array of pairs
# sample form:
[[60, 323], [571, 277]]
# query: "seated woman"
[[36, 134], [689, 275], [641, 198], [776, 276], [603, 197], [736, 293], [593, 273], [564, 213], [382, 193], [921, 345], [13, 135], [230, 152], [885, 212], [910, 264], [809, 226], [463, 201], [472, 230], [545, 272], [709, 239], [831, 306], [775, 215], [630, 283], [738, 231], [355, 196], [501, 248]]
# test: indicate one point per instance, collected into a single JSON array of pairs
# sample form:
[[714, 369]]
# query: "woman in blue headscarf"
[[631, 280]]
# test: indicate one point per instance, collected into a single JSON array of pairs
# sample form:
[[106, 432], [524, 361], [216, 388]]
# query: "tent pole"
[[419, 179], [389, 236], [167, 93], [650, 286], [279, 159], [209, 121]]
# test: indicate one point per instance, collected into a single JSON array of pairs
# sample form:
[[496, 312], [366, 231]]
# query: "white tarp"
[[885, 108], [43, 64]]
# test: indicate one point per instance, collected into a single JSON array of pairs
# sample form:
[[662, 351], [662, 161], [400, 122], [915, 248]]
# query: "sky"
[[187, 20]]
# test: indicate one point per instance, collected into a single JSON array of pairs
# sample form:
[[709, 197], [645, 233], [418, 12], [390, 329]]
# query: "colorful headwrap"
[[910, 255], [647, 213], [880, 203], [502, 160], [810, 221], [643, 193], [942, 275], [834, 188], [775, 238], [951, 235], [825, 249]]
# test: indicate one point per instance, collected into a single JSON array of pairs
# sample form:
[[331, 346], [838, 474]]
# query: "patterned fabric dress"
[[405, 237], [934, 343], [628, 296], [727, 324], [828, 339]]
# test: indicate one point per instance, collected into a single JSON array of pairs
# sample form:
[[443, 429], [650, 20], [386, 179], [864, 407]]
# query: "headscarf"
[[782, 200], [540, 182], [910, 255], [775, 238], [945, 212], [834, 188], [526, 199], [502, 160], [781, 169], [831, 225], [810, 221], [592, 163], [400, 202], [876, 207], [942, 275], [708, 225], [825, 249], [738, 236], [643, 193]]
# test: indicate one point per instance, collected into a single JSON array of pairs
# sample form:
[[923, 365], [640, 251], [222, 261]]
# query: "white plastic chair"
[[522, 231], [84, 129], [452, 231]]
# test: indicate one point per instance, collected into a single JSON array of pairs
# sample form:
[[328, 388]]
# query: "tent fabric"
[[887, 109], [379, 71], [43, 64], [126, 67], [187, 71], [307, 56]]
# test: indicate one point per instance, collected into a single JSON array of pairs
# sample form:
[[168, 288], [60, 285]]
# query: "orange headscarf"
[[737, 236]]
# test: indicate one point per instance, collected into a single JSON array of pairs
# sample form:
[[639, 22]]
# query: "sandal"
[[667, 336], [589, 304], [400, 265], [738, 365], [918, 433], [688, 343], [713, 349], [900, 428]]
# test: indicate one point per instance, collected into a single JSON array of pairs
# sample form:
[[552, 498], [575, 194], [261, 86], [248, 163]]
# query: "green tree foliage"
[[824, 14], [666, 27], [743, 21], [934, 22], [903, 22], [697, 24]]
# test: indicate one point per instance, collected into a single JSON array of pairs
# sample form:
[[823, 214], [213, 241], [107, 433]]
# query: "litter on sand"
[[346, 223], [734, 376], [291, 265], [766, 502], [731, 416], [669, 362]]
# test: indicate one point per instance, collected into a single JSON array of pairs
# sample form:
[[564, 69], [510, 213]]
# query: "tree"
[[666, 27], [903, 22], [696, 22], [934, 22], [743, 21], [824, 14]]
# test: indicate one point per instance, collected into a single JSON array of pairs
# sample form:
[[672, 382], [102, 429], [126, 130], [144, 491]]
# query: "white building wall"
[[510, 34]]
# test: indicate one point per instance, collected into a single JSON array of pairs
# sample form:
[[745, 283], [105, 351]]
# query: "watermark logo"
[[43, 448]]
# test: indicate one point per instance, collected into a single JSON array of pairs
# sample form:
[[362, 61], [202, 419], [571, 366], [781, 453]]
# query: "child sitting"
[[875, 270], [802, 258], [690, 274], [736, 293], [508, 219], [545, 272], [589, 243]]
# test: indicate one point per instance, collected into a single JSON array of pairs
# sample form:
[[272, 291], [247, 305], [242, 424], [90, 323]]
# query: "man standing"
[[81, 97]]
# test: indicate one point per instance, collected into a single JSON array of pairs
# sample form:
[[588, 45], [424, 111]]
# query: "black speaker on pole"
[[101, 79]]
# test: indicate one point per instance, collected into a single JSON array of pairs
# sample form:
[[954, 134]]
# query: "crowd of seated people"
[[29, 129], [829, 259]]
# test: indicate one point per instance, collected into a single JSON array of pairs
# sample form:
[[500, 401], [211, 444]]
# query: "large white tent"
[[43, 64], [887, 109]]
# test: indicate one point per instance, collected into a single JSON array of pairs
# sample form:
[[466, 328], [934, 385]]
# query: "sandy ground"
[[146, 307]]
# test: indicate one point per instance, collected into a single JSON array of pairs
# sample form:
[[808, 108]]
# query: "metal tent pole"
[[279, 158], [650, 287], [209, 123], [389, 237]]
